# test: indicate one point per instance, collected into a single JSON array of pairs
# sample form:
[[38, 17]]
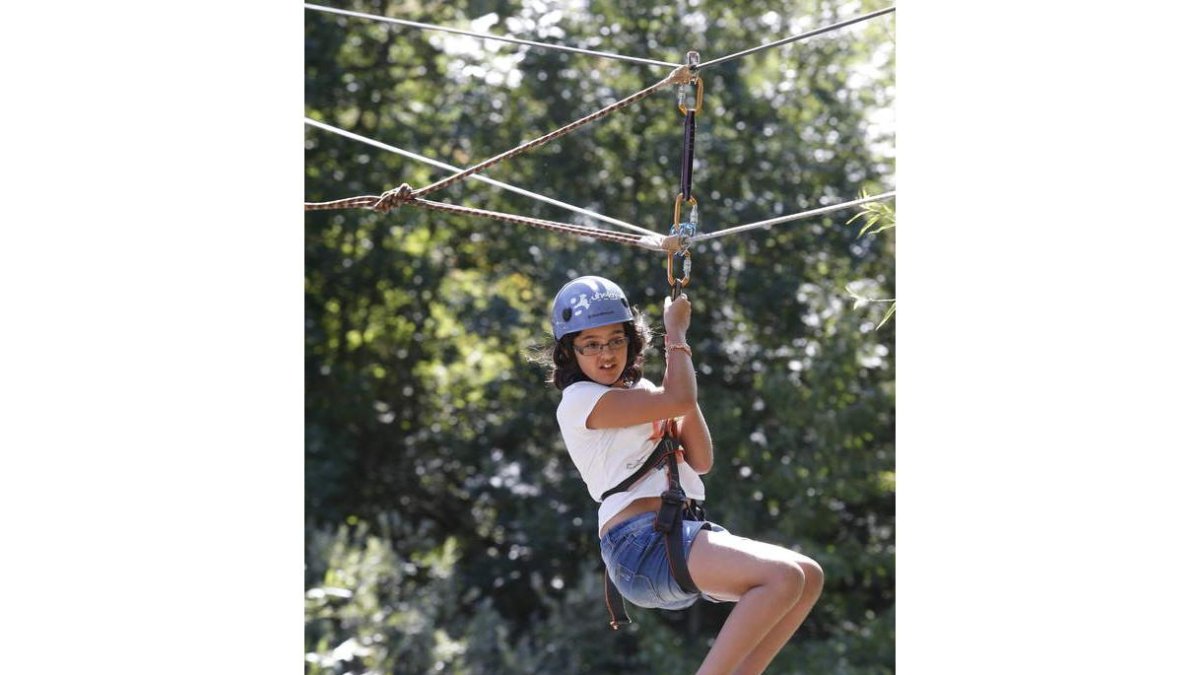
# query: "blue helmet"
[[588, 302]]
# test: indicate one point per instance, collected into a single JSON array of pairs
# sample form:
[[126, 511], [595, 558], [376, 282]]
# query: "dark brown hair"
[[565, 370]]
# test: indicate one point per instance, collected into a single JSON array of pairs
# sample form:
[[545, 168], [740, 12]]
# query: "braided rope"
[[394, 197], [391, 198], [405, 195], [348, 203], [680, 75], [652, 242], [478, 177]]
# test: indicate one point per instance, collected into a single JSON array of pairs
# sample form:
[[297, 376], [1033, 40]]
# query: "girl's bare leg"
[[762, 655], [775, 589]]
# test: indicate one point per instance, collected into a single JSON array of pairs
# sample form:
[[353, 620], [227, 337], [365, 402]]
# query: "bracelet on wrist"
[[681, 346]]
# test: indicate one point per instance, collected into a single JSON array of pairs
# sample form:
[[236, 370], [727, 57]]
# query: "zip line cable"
[[794, 216], [652, 240], [590, 52], [484, 179], [794, 38], [489, 36], [405, 194]]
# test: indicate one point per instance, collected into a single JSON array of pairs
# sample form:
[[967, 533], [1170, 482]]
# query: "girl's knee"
[[814, 576], [787, 578]]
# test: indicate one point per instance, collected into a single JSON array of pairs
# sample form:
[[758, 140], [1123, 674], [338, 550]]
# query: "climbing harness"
[[676, 507]]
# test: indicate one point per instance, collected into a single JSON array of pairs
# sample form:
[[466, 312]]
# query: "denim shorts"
[[636, 557]]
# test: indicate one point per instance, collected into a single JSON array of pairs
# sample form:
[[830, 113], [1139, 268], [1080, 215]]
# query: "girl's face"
[[602, 353]]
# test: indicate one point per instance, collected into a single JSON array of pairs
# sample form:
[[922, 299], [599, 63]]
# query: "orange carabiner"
[[687, 254], [678, 202], [687, 275]]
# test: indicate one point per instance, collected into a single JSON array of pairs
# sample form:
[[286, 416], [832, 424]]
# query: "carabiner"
[[679, 201], [699, 82], [685, 231], [693, 59], [687, 270]]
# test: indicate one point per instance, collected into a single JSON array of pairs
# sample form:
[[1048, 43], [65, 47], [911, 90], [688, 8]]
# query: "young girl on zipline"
[[629, 439]]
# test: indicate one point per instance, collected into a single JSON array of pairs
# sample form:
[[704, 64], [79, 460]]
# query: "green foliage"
[[877, 217], [439, 495], [380, 603]]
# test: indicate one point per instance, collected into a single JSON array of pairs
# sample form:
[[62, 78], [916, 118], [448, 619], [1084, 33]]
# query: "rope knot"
[[681, 75], [394, 197]]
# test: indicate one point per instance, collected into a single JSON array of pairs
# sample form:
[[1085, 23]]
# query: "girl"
[[607, 417]]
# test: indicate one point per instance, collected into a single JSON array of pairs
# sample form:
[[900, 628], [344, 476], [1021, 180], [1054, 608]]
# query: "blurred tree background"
[[447, 530]]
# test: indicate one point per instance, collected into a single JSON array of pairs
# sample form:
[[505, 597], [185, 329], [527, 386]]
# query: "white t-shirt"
[[605, 457]]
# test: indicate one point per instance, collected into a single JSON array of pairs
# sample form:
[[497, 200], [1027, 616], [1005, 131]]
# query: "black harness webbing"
[[669, 523]]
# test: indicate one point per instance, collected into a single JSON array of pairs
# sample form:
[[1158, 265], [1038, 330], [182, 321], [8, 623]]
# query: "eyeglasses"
[[594, 348]]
